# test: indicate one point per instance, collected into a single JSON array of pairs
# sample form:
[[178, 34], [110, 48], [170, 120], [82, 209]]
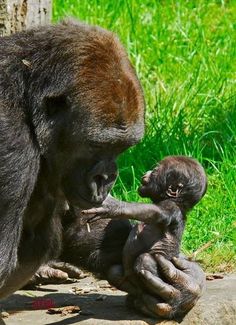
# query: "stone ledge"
[[103, 305]]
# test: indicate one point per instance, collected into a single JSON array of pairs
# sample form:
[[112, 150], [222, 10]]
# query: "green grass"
[[185, 56]]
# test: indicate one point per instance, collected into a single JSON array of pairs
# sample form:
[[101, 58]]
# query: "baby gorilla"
[[175, 185]]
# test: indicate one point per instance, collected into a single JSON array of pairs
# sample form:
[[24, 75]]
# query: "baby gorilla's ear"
[[174, 190]]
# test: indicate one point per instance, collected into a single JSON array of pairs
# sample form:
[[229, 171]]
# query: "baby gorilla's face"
[[150, 185], [145, 184], [179, 178]]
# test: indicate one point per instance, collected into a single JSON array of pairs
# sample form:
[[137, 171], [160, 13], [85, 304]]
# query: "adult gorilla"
[[70, 102]]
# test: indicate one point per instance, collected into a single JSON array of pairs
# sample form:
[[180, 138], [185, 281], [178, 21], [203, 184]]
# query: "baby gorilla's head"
[[179, 178]]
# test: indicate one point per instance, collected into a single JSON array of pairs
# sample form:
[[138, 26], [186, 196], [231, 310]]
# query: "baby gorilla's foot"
[[55, 273]]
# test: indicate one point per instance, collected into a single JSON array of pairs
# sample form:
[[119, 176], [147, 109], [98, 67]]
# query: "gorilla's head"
[[87, 107]]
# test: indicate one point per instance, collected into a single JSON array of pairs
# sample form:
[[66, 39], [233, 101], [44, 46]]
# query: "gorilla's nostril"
[[105, 177], [99, 179]]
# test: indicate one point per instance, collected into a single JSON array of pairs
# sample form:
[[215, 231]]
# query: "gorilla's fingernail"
[[88, 227], [67, 206]]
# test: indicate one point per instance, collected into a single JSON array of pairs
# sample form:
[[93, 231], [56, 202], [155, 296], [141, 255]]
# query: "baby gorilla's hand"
[[111, 208], [101, 212]]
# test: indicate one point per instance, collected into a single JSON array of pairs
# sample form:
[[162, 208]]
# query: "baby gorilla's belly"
[[150, 239], [167, 246]]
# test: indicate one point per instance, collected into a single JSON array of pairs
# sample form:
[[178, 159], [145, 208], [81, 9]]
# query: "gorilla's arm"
[[100, 251], [18, 172]]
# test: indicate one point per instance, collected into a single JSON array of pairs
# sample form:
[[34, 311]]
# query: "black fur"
[[57, 118], [94, 247]]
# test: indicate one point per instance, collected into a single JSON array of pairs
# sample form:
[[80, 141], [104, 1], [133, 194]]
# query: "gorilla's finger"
[[170, 271], [94, 218], [140, 306], [157, 308], [115, 276], [126, 286], [145, 261], [181, 263], [176, 276], [192, 270], [158, 287]]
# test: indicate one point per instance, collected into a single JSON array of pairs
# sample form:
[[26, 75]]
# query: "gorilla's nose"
[[101, 179]]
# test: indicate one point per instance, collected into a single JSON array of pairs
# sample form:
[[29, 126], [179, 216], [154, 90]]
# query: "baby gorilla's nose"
[[146, 177]]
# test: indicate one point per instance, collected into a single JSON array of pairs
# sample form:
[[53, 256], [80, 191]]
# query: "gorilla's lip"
[[83, 203]]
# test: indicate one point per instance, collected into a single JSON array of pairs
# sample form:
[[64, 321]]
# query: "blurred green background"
[[185, 56]]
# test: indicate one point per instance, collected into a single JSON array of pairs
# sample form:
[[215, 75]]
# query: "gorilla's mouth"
[[81, 202]]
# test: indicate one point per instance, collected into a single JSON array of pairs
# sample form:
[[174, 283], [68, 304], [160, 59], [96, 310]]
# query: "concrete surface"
[[101, 304]]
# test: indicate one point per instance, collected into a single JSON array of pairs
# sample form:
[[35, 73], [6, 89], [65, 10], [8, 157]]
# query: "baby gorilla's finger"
[[156, 286], [96, 211], [94, 219], [92, 211]]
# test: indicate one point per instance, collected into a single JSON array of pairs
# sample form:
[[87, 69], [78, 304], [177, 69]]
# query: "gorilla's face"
[[81, 145], [91, 109], [90, 178], [92, 172]]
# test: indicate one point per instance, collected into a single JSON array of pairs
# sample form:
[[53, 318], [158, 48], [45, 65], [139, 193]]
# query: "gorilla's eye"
[[56, 105], [95, 145]]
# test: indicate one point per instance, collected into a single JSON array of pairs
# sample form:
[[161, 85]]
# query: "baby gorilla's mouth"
[[142, 191]]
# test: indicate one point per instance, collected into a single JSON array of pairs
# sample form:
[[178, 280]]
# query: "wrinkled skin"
[[171, 297]]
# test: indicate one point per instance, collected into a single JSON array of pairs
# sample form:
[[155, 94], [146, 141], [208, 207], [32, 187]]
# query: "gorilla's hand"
[[172, 296]]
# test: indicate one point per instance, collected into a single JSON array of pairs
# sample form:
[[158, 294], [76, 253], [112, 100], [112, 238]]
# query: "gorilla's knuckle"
[[174, 293], [145, 258], [194, 289], [172, 274]]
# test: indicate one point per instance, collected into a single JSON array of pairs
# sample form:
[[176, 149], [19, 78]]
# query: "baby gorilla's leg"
[[55, 272]]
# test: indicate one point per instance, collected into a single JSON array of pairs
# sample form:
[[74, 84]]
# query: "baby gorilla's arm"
[[147, 212]]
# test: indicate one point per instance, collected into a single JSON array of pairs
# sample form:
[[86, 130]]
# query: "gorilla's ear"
[[55, 105]]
